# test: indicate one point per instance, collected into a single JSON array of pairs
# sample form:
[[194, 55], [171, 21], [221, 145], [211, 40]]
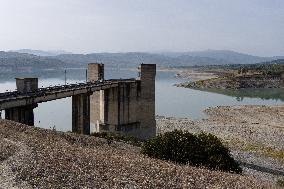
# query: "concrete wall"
[[128, 109]]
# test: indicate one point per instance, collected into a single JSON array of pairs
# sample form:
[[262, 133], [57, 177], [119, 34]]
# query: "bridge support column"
[[23, 114], [81, 114]]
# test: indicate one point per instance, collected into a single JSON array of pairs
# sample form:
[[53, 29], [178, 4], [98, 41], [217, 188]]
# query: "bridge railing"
[[58, 88]]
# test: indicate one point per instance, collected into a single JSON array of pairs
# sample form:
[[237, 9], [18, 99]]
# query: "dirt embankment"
[[254, 134], [49, 159]]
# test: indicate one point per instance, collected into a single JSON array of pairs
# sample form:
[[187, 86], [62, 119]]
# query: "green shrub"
[[186, 148], [280, 183]]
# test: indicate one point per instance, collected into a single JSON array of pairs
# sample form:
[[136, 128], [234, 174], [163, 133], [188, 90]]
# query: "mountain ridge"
[[130, 59]]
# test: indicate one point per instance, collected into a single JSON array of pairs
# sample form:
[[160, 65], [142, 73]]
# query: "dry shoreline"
[[195, 75], [226, 79], [254, 134]]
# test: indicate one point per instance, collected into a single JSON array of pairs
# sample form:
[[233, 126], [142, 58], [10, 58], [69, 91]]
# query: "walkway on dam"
[[15, 98]]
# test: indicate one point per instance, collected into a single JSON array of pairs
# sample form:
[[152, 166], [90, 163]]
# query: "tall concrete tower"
[[95, 72], [147, 75], [97, 111]]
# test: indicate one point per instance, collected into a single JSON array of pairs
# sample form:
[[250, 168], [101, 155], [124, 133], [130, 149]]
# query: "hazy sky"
[[83, 26]]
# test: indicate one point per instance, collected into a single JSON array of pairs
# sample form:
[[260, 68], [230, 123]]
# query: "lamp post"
[[86, 75], [65, 76]]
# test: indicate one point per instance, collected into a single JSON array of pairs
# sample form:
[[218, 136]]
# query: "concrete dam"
[[122, 106]]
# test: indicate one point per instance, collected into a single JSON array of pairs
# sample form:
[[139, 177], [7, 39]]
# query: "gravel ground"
[[39, 158], [254, 134]]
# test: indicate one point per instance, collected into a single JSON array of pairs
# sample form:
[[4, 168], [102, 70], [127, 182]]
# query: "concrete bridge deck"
[[16, 99]]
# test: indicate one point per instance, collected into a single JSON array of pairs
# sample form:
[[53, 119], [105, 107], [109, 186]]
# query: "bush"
[[197, 150]]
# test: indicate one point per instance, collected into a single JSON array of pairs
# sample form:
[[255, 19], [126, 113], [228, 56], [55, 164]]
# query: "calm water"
[[170, 100]]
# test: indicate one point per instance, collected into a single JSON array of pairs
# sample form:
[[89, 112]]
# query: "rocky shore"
[[226, 79], [241, 82], [37, 158], [254, 134]]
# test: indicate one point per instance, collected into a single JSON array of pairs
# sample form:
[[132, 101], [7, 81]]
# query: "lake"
[[171, 101]]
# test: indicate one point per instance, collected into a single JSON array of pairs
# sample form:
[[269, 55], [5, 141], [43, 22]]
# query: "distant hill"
[[135, 58], [13, 61], [41, 53], [225, 56], [28, 59], [173, 59]]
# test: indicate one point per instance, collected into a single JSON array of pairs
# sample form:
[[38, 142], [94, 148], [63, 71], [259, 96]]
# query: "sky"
[[84, 26]]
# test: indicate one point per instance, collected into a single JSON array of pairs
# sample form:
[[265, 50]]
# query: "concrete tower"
[[97, 110], [147, 75]]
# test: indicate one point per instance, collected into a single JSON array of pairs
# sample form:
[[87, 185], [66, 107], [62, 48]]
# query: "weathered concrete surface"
[[97, 108], [127, 109], [23, 114], [25, 85], [81, 113], [146, 113]]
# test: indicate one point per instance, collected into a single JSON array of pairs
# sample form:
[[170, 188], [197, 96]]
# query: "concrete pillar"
[[81, 114], [97, 108], [147, 75], [23, 114]]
